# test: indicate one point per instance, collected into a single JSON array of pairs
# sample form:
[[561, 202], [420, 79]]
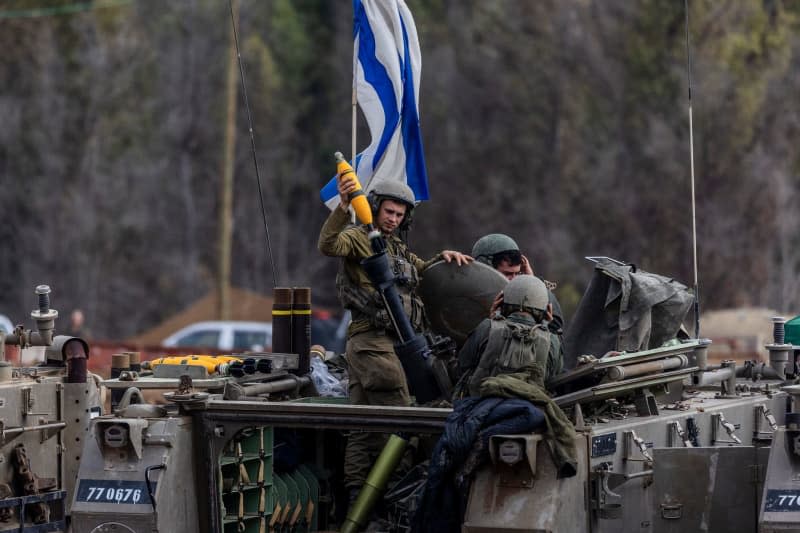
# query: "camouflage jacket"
[[475, 363], [339, 238], [560, 436]]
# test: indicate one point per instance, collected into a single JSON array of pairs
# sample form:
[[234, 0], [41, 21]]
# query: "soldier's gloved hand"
[[458, 257]]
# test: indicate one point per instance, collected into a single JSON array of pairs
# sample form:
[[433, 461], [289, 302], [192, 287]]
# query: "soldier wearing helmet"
[[518, 337], [375, 373], [502, 253]]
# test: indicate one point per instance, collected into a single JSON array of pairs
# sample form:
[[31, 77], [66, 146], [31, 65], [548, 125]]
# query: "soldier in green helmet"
[[502, 253], [518, 337], [375, 373]]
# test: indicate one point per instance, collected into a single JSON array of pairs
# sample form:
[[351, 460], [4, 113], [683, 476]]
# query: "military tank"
[[45, 413], [666, 441]]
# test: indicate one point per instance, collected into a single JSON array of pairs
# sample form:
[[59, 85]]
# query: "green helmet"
[[393, 190], [490, 245], [528, 292]]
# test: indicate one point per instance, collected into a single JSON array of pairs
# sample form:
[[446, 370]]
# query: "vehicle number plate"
[[114, 491], [604, 444], [782, 501]]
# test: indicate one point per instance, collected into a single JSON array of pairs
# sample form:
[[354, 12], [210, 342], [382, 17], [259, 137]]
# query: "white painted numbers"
[[114, 495], [117, 492]]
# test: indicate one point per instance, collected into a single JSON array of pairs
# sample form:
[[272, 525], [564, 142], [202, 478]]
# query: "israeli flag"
[[388, 63]]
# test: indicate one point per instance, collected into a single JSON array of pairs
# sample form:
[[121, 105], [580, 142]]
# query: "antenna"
[[691, 163], [253, 144]]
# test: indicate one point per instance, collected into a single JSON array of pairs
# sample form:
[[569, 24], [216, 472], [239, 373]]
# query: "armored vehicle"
[[665, 441], [45, 412]]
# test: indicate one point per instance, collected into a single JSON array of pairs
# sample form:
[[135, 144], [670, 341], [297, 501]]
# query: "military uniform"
[[557, 324], [375, 373], [490, 247], [504, 345]]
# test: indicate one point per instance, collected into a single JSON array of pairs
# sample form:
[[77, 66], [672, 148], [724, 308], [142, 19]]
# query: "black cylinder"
[[249, 365], [378, 271], [135, 361], [44, 303], [76, 354], [778, 330], [301, 328], [282, 320], [236, 369], [413, 355], [412, 349], [76, 370]]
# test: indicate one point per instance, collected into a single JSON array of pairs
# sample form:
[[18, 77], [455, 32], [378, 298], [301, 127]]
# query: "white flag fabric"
[[388, 63]]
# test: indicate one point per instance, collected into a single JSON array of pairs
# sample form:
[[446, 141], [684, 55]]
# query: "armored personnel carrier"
[[665, 441], [45, 413]]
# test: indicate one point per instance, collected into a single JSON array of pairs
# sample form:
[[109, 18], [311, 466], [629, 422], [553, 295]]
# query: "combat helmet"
[[393, 190], [527, 292], [494, 244]]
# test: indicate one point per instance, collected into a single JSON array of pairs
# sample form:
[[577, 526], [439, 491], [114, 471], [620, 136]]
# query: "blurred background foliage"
[[560, 122]]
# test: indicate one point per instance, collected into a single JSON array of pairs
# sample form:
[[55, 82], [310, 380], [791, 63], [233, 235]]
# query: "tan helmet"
[[528, 292]]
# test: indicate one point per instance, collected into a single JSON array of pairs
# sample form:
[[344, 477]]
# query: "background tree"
[[562, 123]]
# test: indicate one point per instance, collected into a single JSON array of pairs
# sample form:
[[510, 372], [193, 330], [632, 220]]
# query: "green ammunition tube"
[[375, 484]]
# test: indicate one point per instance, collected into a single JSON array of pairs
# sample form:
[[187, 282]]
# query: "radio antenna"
[[691, 164], [253, 144]]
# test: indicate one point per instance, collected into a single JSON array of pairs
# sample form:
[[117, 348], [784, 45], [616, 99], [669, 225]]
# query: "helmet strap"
[[537, 314]]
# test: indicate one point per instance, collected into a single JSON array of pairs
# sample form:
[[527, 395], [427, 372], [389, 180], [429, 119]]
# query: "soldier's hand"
[[458, 257], [498, 301], [345, 186], [525, 267]]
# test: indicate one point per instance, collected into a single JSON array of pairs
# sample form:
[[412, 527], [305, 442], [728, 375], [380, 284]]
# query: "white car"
[[5, 324], [224, 335]]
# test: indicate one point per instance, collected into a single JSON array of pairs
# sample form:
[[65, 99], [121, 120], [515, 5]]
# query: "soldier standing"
[[77, 325], [375, 372]]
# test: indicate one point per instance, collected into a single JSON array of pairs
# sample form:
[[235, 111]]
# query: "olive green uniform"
[[475, 362], [375, 373]]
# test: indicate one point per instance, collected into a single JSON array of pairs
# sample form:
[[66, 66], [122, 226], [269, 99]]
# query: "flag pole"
[[354, 100]]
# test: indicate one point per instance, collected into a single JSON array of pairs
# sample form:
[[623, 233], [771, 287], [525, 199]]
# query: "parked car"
[[224, 335], [6, 325]]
